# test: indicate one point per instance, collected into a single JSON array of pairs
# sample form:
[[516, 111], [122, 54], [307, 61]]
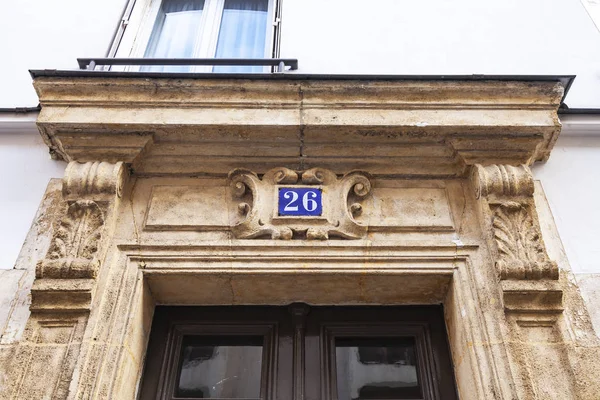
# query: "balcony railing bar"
[[280, 63]]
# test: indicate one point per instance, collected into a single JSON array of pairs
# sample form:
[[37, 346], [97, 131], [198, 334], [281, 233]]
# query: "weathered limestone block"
[[41, 366]]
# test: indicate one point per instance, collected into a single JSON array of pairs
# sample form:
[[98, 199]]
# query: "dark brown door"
[[298, 353]]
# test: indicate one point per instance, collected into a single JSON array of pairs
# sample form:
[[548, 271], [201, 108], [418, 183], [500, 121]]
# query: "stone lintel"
[[318, 287], [396, 127]]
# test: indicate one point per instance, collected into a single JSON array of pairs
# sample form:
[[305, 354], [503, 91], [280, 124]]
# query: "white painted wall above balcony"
[[446, 37], [341, 36], [43, 34]]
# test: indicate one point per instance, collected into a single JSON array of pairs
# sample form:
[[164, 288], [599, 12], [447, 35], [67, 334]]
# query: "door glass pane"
[[217, 367], [176, 33], [243, 33], [376, 368]]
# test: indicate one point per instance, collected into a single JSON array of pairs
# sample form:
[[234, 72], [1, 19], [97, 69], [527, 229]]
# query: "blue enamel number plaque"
[[300, 201]]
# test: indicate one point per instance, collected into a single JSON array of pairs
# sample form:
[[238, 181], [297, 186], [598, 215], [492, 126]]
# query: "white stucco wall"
[[26, 170], [593, 8], [572, 188], [44, 34], [446, 37]]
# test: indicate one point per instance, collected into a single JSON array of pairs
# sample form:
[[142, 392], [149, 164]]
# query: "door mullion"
[[299, 313]]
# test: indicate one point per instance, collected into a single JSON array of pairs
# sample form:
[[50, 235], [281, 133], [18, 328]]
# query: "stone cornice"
[[210, 126]]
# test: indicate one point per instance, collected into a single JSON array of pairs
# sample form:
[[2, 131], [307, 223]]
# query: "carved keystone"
[[516, 237], [257, 208]]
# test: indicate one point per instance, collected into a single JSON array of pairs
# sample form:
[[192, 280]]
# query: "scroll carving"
[[257, 218], [97, 180], [64, 278], [503, 180], [527, 274]]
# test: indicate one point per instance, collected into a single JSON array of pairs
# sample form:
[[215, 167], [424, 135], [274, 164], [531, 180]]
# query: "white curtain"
[[175, 33], [242, 33]]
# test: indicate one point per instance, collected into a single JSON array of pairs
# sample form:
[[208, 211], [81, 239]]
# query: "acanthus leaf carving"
[[508, 190], [256, 216], [527, 275], [72, 252], [65, 277], [521, 254]]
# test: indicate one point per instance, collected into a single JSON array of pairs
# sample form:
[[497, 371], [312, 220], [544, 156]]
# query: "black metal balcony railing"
[[280, 64]]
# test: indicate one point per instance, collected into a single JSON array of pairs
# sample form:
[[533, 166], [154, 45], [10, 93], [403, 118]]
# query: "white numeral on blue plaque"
[[294, 196], [300, 201], [308, 201]]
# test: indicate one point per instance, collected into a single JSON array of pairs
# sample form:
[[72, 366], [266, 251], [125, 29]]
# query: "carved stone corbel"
[[528, 277], [65, 277], [257, 203]]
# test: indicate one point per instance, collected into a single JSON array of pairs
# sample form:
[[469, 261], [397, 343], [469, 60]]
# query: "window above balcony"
[[199, 29]]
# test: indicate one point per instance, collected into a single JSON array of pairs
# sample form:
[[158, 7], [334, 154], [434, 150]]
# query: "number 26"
[[308, 201]]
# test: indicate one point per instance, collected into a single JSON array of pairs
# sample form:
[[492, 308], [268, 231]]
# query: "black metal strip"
[[91, 63]]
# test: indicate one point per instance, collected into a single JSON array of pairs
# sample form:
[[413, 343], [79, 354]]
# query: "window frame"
[[139, 25], [168, 378], [170, 324], [416, 331]]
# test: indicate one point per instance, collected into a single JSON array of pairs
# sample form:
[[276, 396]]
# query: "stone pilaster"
[[529, 281], [62, 292]]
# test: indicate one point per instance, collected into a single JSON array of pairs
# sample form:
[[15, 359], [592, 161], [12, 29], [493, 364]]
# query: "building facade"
[[358, 217]]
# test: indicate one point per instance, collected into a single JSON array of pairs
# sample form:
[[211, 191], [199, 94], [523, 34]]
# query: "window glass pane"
[[376, 368], [243, 33], [220, 367], [176, 33]]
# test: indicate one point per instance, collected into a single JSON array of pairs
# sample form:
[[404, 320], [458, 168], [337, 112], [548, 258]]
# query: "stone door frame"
[[442, 277]]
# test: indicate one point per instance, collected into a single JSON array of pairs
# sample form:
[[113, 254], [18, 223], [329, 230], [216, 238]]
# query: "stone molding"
[[415, 128], [520, 254], [257, 207], [65, 277]]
